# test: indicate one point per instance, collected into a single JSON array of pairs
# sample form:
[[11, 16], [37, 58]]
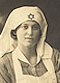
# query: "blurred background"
[[51, 9]]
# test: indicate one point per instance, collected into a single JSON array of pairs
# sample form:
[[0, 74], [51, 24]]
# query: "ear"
[[13, 34]]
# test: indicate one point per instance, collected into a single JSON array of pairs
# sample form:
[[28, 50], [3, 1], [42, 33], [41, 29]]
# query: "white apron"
[[48, 77]]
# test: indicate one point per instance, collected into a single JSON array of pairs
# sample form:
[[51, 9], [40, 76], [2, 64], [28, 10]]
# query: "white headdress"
[[18, 16]]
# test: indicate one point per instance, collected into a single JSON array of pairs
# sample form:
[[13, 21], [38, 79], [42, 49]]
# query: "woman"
[[26, 55]]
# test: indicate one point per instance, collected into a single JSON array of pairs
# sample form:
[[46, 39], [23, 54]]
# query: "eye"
[[25, 26], [36, 27]]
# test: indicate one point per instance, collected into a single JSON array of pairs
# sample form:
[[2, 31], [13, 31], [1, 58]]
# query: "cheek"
[[20, 35], [37, 35]]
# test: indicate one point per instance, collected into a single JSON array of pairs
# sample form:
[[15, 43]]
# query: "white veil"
[[16, 17]]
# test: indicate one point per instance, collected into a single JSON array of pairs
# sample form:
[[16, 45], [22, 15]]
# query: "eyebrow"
[[23, 24]]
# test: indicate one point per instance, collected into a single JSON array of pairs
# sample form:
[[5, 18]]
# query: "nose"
[[30, 31]]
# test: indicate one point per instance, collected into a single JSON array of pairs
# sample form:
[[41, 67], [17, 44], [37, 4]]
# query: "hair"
[[13, 33]]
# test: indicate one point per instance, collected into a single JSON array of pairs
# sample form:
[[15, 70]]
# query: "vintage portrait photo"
[[29, 41]]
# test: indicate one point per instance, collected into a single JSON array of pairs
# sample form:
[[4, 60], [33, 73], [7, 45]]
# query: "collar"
[[47, 54], [19, 55]]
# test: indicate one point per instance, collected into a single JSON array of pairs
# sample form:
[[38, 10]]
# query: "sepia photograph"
[[29, 41]]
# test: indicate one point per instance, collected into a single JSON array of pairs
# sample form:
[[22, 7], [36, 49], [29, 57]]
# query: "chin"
[[29, 45]]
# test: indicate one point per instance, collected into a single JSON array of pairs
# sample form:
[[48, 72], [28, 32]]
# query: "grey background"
[[51, 9]]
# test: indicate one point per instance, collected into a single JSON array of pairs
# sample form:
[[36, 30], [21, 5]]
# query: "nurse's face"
[[28, 34]]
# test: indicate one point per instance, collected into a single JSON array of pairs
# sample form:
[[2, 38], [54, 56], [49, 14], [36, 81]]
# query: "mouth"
[[29, 38]]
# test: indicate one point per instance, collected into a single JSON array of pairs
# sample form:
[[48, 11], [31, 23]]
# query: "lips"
[[30, 38]]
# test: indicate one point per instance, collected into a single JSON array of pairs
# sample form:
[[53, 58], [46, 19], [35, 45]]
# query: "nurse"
[[25, 56]]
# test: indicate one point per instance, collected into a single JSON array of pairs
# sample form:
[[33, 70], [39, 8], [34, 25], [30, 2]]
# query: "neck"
[[29, 53], [27, 50]]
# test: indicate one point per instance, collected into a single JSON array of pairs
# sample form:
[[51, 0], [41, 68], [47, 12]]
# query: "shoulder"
[[49, 50], [56, 56], [56, 62], [6, 58], [5, 67], [56, 59], [5, 62]]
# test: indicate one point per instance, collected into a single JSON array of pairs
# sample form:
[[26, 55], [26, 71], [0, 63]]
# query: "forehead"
[[30, 22]]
